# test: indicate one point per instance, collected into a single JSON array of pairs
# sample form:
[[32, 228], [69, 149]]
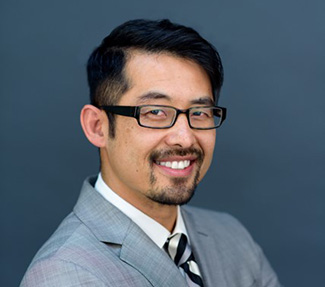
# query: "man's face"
[[146, 165]]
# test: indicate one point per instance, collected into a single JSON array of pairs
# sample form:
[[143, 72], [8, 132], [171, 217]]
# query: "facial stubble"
[[179, 191]]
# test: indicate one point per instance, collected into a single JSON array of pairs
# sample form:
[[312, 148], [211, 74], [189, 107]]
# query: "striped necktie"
[[180, 251]]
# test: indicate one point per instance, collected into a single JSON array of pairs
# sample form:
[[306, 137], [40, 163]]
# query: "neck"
[[164, 214]]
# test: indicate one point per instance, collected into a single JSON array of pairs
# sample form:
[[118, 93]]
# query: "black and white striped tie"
[[180, 251]]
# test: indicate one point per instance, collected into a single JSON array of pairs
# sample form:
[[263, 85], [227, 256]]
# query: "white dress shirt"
[[156, 232]]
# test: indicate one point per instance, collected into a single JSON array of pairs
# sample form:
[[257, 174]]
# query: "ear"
[[94, 124]]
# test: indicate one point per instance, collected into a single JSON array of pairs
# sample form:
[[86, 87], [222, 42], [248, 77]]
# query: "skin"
[[129, 161]]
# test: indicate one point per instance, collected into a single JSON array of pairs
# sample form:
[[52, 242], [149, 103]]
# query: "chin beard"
[[178, 193]]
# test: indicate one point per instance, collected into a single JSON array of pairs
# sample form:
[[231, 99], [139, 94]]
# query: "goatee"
[[179, 191]]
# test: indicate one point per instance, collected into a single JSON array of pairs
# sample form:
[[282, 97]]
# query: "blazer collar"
[[110, 225], [204, 247]]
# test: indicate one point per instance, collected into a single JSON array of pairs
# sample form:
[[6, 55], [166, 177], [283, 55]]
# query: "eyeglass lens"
[[159, 117]]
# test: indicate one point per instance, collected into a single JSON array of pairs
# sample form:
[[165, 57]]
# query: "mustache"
[[158, 154]]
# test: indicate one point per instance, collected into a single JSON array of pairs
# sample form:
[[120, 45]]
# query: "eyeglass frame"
[[134, 112]]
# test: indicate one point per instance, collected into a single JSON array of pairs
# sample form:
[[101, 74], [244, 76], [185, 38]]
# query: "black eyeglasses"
[[164, 117]]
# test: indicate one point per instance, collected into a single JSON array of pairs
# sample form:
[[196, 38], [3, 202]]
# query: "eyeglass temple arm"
[[121, 110]]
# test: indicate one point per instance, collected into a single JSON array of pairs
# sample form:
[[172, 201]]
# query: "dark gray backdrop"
[[269, 160]]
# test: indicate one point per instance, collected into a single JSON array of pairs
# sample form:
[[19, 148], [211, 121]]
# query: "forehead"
[[165, 78]]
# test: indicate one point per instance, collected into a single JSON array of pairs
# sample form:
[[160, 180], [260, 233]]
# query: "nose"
[[181, 134]]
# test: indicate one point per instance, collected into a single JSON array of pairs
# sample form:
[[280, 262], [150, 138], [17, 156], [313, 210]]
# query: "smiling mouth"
[[177, 163], [182, 164]]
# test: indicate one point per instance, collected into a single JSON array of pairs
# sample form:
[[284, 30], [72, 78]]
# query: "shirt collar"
[[156, 232]]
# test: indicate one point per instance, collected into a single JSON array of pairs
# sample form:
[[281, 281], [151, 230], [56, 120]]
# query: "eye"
[[197, 113], [200, 114], [154, 113], [157, 112]]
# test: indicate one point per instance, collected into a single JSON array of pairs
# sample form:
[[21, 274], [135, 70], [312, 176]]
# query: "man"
[[154, 87]]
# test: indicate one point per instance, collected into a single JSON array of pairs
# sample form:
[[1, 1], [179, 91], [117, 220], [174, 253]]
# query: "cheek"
[[125, 135], [208, 147], [208, 143], [134, 146]]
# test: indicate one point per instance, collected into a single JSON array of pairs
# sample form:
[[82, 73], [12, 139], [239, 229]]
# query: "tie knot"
[[178, 248]]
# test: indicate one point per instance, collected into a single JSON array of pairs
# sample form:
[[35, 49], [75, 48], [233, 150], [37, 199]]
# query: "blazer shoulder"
[[231, 243], [219, 225], [67, 255], [60, 238], [51, 272], [212, 218], [72, 242]]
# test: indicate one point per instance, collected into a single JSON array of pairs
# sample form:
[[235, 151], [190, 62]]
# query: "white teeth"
[[175, 164]]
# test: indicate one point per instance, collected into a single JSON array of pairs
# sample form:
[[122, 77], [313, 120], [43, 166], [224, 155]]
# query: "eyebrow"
[[156, 96], [203, 101], [153, 96]]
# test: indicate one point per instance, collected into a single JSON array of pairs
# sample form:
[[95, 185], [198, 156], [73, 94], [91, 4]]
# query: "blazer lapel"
[[142, 253], [110, 225], [205, 250]]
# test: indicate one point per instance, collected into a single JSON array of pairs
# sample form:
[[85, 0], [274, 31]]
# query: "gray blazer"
[[97, 245]]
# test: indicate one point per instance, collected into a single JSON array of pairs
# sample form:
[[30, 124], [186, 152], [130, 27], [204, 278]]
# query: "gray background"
[[269, 160]]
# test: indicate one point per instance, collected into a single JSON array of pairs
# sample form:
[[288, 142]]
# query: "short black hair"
[[105, 68]]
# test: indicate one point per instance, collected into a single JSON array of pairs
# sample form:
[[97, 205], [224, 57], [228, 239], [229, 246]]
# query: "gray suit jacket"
[[97, 245]]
